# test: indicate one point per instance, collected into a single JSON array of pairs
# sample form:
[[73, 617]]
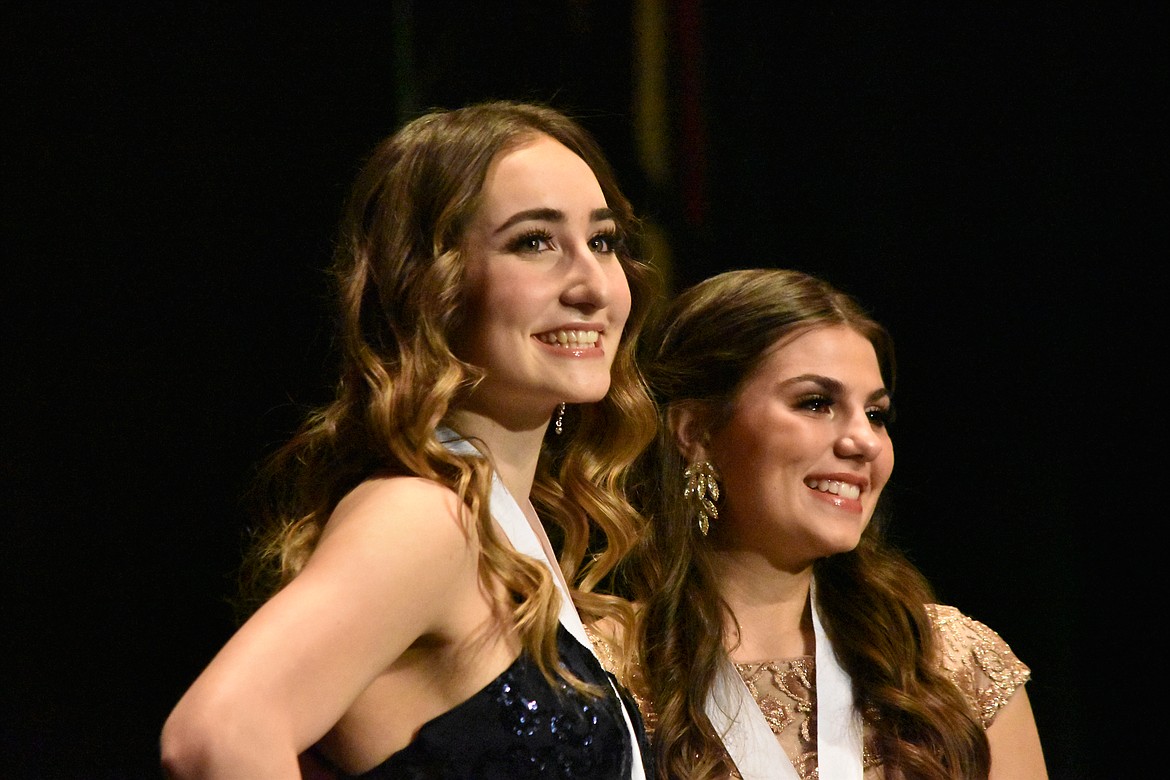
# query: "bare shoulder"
[[394, 564], [397, 560], [405, 497], [420, 513], [401, 541]]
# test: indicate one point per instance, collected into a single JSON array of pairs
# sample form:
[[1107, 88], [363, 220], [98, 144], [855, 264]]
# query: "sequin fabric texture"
[[519, 726], [975, 657]]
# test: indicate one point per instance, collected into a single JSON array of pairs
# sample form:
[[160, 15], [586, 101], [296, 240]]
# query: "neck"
[[771, 607], [514, 453]]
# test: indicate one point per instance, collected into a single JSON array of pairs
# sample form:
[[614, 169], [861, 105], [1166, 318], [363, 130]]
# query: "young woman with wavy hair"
[[412, 617], [778, 635]]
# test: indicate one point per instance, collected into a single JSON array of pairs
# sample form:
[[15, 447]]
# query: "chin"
[[841, 545], [586, 395]]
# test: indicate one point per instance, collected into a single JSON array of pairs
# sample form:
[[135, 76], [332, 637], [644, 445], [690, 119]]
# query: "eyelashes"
[[881, 417], [531, 242], [605, 242]]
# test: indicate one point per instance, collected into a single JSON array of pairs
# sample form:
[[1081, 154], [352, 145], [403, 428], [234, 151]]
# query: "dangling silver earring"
[[702, 488], [559, 424]]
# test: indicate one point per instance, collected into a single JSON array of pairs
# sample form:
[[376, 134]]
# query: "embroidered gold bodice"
[[975, 657]]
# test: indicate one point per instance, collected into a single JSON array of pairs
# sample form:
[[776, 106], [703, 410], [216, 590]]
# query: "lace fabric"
[[975, 657]]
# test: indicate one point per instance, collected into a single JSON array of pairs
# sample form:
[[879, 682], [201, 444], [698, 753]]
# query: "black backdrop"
[[983, 177]]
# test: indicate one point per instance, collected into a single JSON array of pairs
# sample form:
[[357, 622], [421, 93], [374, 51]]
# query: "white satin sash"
[[511, 518], [752, 745]]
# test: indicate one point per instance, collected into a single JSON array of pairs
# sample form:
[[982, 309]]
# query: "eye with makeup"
[[537, 240], [605, 242], [815, 402], [531, 242], [819, 403], [881, 416]]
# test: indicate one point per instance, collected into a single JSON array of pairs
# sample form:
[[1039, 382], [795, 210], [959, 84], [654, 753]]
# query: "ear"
[[689, 425]]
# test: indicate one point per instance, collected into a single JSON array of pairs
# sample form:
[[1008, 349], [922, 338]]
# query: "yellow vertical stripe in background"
[[651, 128]]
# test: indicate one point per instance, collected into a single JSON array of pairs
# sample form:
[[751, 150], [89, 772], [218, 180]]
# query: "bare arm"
[[1015, 742], [380, 578]]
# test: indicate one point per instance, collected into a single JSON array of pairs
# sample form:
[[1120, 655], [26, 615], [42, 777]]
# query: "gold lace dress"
[[976, 658]]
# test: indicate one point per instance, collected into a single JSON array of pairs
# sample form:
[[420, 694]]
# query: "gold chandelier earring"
[[702, 490]]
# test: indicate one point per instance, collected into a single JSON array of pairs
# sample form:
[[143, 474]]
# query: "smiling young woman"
[[778, 635], [412, 619], [548, 297]]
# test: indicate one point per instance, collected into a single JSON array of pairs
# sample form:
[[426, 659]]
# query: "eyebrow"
[[833, 386], [551, 215]]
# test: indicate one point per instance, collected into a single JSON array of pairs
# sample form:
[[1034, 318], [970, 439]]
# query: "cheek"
[[883, 466], [485, 315], [497, 301], [622, 299], [741, 458]]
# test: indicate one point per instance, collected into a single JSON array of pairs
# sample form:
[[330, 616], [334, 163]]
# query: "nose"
[[858, 439], [587, 282]]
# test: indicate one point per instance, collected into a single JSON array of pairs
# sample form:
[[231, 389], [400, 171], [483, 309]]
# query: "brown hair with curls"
[[399, 277], [871, 599]]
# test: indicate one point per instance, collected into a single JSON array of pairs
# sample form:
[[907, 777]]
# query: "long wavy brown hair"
[[399, 279], [871, 599]]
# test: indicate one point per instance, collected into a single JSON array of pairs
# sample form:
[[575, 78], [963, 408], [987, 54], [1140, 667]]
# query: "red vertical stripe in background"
[[692, 145]]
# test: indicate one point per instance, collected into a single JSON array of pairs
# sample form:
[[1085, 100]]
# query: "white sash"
[[511, 518], [750, 741]]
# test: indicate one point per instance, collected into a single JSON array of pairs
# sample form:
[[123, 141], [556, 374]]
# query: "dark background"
[[986, 177]]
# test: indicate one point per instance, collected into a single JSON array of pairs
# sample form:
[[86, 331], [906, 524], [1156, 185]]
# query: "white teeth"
[[570, 338], [836, 487]]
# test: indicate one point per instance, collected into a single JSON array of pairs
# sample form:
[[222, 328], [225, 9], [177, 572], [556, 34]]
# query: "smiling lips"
[[834, 486], [569, 339]]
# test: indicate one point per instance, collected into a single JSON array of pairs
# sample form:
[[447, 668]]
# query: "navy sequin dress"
[[519, 726]]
